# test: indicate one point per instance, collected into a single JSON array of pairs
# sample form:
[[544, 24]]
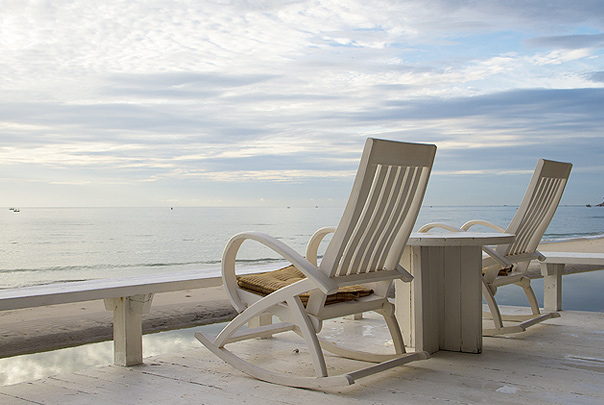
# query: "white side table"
[[441, 309]]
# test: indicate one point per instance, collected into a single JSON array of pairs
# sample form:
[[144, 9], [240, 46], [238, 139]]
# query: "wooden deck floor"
[[559, 361]]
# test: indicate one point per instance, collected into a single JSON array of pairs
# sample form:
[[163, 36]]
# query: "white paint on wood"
[[471, 299], [127, 309], [445, 295], [559, 371], [63, 293], [574, 258], [552, 286], [552, 269], [459, 239], [127, 328]]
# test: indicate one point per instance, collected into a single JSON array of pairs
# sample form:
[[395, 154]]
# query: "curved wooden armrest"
[[323, 282], [488, 224], [312, 248], [433, 225]]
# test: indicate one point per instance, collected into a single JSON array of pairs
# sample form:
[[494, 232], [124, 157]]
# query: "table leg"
[[442, 308]]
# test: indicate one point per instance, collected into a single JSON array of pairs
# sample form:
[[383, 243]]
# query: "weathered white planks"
[[442, 308], [51, 294], [558, 361]]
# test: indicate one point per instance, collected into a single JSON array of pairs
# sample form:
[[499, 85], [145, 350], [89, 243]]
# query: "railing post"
[[128, 327], [552, 286]]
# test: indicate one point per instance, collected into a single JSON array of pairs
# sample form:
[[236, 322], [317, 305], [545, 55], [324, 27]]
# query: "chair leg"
[[303, 326], [309, 334], [499, 329], [395, 332], [525, 320], [537, 317], [525, 283], [387, 312], [273, 377]]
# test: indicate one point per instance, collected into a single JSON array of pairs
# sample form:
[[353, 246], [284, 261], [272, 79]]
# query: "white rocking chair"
[[358, 268], [507, 264]]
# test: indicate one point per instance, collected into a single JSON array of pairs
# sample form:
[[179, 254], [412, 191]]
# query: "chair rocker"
[[356, 272], [507, 264]]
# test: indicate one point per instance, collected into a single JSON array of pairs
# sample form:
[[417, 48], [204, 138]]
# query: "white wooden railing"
[[128, 298], [552, 269]]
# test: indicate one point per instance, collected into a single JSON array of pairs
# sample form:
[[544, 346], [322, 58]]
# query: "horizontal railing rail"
[[552, 269], [128, 298]]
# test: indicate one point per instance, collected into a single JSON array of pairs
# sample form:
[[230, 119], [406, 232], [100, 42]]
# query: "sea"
[[57, 245]]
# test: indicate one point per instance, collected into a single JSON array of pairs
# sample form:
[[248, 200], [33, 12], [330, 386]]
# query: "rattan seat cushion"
[[271, 281]]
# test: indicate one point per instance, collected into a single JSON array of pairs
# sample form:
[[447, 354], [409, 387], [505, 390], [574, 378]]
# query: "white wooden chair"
[[507, 264], [364, 253]]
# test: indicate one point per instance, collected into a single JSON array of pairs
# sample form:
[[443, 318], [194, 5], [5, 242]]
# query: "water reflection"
[[31, 367], [39, 365], [580, 292]]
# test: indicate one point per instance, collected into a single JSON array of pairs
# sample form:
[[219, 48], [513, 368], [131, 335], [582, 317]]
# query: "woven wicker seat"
[[271, 281]]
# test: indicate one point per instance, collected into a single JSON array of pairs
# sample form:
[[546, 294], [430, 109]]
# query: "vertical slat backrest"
[[382, 209], [537, 208]]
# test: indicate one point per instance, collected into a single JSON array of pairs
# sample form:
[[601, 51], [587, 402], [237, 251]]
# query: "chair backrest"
[[536, 210], [383, 206]]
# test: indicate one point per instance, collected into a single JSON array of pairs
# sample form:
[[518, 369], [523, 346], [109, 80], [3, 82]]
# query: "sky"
[[212, 103]]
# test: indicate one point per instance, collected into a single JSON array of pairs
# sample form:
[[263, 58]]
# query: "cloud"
[[180, 85], [569, 41], [596, 76], [290, 176], [560, 57], [186, 92]]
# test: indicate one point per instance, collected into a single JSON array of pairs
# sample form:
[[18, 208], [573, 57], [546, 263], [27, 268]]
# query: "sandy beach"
[[48, 328]]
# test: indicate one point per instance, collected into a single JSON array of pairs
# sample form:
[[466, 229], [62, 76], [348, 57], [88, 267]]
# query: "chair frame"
[[528, 224], [365, 249]]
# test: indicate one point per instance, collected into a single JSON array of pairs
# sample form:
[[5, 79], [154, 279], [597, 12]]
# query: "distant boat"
[[588, 205]]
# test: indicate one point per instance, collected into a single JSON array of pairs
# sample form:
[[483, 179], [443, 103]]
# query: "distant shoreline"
[[572, 239]]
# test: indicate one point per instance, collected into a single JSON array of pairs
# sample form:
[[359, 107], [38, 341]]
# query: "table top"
[[460, 239]]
